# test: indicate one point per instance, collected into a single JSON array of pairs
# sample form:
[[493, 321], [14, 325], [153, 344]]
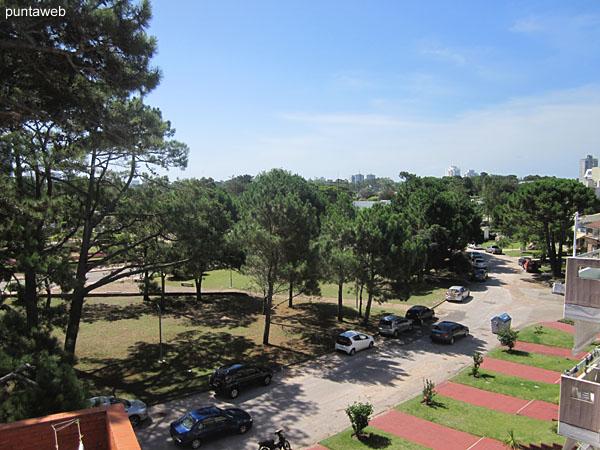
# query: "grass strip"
[[379, 439], [547, 336], [548, 362], [481, 421], [509, 385]]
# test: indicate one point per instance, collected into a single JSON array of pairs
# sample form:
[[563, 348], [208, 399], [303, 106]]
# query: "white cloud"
[[546, 134], [445, 54]]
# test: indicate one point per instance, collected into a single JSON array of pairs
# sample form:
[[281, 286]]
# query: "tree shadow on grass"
[[231, 310], [110, 312], [190, 357], [517, 352], [373, 440]]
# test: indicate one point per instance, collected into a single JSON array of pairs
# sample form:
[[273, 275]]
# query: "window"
[[589, 273], [582, 395]]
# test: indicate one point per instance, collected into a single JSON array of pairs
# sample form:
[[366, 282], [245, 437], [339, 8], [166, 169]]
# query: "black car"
[[448, 331], [229, 379], [419, 313], [479, 275], [207, 423]]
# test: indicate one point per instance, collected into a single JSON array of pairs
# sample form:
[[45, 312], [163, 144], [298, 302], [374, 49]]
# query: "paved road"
[[309, 400]]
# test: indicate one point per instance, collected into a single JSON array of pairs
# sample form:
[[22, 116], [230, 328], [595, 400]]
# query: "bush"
[[477, 360], [359, 415], [508, 337], [428, 392]]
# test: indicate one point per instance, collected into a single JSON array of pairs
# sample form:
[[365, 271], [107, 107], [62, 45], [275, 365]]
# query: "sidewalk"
[[521, 370], [499, 402]]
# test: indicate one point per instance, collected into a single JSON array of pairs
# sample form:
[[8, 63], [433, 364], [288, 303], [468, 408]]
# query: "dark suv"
[[419, 313], [229, 379]]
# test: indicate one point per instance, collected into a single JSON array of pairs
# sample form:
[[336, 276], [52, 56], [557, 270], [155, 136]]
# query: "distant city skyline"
[[320, 88]]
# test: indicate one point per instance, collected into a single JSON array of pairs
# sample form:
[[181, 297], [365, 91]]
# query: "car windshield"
[[444, 326], [188, 421], [385, 323]]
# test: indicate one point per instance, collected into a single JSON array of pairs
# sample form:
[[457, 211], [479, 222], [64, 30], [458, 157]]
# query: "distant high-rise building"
[[358, 178], [370, 176], [453, 171], [471, 173], [589, 162]]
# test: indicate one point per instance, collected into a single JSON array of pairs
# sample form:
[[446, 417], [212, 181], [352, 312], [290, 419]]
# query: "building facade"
[[589, 162], [453, 171]]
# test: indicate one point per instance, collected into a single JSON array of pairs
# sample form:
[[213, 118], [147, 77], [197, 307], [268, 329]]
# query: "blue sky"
[[331, 88]]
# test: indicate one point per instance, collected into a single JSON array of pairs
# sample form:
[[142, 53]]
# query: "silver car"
[[136, 410], [394, 325]]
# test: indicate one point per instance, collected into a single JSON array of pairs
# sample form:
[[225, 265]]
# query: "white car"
[[457, 294], [479, 263], [136, 410], [353, 341]]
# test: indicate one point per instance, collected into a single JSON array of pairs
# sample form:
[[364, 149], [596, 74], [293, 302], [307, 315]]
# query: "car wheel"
[[196, 443], [243, 428], [234, 392], [396, 333], [452, 340], [371, 344], [352, 352], [135, 420], [267, 380]]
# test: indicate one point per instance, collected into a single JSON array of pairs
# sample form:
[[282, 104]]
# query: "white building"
[[589, 162], [471, 173], [453, 171]]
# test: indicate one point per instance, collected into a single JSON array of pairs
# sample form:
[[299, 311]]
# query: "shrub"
[[508, 337], [477, 360], [512, 441], [428, 392], [539, 329], [359, 415]]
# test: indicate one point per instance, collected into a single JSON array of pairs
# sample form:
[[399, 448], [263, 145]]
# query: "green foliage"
[[477, 361], [429, 392], [359, 415], [539, 329], [279, 223], [512, 441], [441, 216], [508, 337], [57, 389], [542, 211]]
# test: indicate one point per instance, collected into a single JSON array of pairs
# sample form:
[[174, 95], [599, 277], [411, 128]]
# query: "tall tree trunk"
[[340, 309], [31, 301], [48, 294], [291, 293], [368, 307], [80, 277], [370, 288], [198, 281], [549, 238], [268, 314], [559, 258], [360, 301]]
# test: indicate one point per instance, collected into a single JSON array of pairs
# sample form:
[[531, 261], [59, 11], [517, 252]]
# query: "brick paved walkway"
[[498, 402], [430, 434], [520, 370], [547, 350]]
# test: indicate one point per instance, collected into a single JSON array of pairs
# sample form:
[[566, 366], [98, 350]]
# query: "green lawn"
[[481, 421], [118, 342], [428, 294], [548, 336], [379, 439], [509, 385], [533, 359]]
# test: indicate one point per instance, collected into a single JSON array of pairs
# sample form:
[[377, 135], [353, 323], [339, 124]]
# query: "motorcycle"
[[270, 444]]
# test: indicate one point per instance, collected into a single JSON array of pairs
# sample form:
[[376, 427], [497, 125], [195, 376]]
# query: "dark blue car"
[[203, 424]]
